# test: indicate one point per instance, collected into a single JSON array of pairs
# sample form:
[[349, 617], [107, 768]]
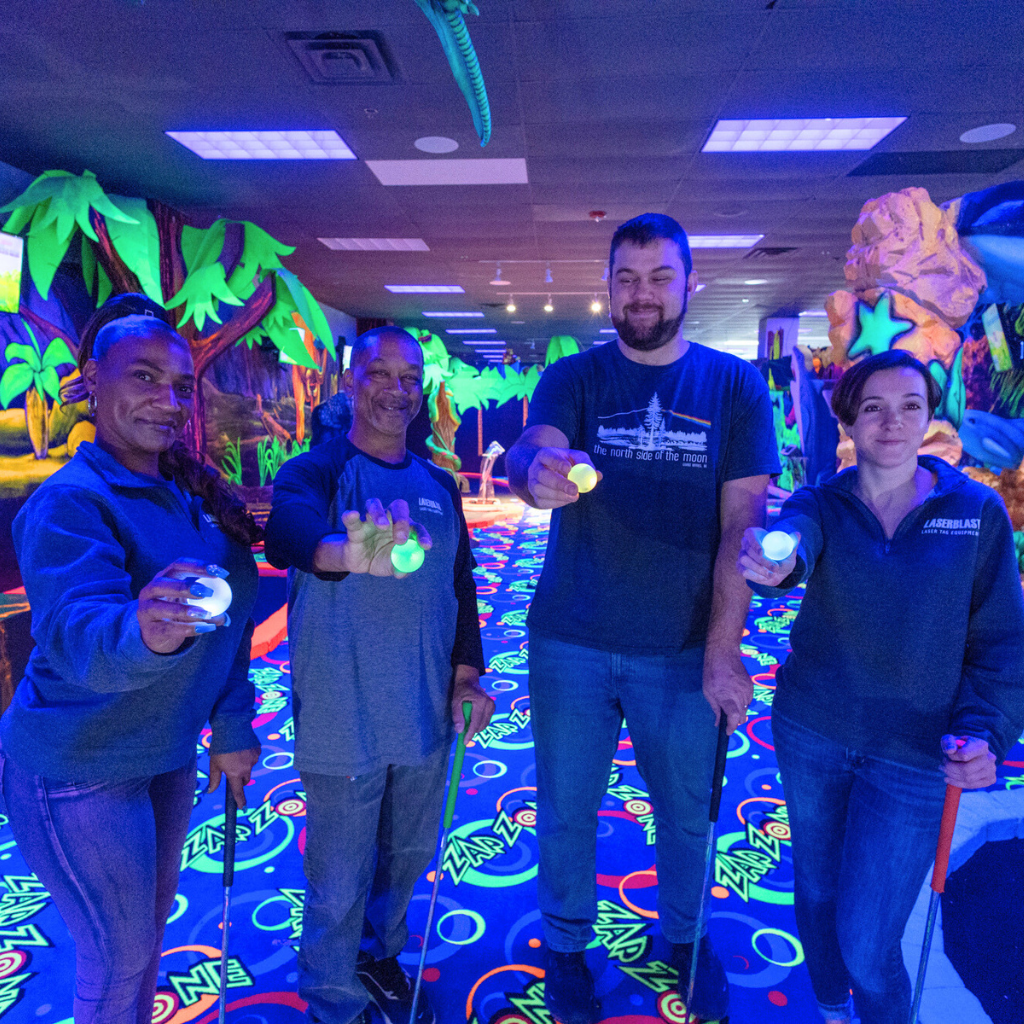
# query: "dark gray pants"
[[368, 840]]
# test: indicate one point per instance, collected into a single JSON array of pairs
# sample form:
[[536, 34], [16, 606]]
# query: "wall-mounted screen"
[[11, 250]]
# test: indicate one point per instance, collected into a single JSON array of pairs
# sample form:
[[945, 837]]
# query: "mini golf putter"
[[584, 476]]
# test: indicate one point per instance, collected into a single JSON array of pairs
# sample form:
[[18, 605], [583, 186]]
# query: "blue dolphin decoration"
[[992, 440], [991, 227]]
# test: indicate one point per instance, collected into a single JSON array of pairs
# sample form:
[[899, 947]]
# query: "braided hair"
[[126, 316]]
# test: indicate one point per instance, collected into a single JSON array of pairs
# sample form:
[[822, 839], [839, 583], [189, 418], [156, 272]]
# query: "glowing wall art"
[[225, 288]]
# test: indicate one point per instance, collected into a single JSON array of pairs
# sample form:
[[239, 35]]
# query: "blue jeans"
[[864, 833], [368, 840], [109, 854], [578, 699]]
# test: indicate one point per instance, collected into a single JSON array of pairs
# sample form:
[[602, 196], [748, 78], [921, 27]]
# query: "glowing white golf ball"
[[778, 545], [218, 602]]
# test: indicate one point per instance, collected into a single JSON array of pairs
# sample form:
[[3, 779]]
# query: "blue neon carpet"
[[484, 958]]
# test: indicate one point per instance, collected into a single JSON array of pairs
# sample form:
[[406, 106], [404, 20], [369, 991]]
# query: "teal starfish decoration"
[[878, 330]]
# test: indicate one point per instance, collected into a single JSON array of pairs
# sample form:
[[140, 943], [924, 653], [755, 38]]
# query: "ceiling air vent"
[[952, 161], [341, 58], [769, 252]]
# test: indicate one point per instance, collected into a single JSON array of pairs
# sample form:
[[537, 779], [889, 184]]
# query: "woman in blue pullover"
[[906, 671], [99, 745]]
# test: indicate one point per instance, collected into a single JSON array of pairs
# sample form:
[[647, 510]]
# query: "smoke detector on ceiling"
[[341, 58]]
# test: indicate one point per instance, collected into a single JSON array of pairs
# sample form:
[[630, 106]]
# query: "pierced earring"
[[91, 403]]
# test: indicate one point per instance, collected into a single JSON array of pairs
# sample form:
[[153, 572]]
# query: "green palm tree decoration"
[[129, 245], [33, 373]]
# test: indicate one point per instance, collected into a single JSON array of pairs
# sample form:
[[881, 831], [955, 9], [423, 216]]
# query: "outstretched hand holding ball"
[[767, 558]]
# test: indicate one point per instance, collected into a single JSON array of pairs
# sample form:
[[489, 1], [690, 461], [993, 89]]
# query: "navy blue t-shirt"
[[629, 566]]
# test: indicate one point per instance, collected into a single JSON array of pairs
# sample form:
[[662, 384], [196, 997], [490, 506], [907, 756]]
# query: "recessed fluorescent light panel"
[[723, 241], [813, 312], [425, 289], [265, 145], [494, 171], [607, 330], [484, 342], [472, 330], [814, 133], [376, 244], [450, 313]]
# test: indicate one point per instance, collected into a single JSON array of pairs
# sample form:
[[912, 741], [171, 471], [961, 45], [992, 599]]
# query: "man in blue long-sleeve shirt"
[[381, 666]]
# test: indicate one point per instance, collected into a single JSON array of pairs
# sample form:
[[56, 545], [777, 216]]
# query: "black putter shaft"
[[449, 817], [948, 824], [721, 751], [230, 819]]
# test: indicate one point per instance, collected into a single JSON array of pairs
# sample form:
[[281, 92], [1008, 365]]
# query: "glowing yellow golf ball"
[[407, 557], [778, 545], [584, 477]]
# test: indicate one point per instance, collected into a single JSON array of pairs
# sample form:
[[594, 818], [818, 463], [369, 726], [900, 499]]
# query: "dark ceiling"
[[609, 102]]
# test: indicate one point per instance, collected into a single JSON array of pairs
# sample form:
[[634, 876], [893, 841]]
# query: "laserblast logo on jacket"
[[953, 527], [654, 434], [433, 506]]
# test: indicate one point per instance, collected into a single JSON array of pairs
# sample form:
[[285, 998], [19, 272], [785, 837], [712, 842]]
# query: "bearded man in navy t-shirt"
[[639, 611]]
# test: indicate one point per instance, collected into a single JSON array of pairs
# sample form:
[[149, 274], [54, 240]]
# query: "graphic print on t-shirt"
[[649, 430]]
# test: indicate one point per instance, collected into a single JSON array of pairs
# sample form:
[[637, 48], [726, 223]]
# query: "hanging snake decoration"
[[448, 19]]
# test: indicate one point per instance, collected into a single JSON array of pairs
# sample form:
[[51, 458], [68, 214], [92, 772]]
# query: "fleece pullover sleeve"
[[84, 616], [468, 649], [800, 514], [990, 704], [300, 510], [233, 711]]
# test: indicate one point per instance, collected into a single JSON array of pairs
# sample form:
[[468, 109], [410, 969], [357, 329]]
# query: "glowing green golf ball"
[[584, 477], [407, 557]]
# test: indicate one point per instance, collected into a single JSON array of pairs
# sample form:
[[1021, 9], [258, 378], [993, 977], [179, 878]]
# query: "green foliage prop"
[[559, 346], [231, 464], [57, 204], [204, 289], [280, 328], [271, 455], [137, 242], [468, 387], [33, 368]]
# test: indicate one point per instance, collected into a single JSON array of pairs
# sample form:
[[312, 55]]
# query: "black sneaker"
[[569, 989], [390, 990], [710, 987]]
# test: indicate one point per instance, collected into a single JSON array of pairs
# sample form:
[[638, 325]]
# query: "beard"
[[649, 338]]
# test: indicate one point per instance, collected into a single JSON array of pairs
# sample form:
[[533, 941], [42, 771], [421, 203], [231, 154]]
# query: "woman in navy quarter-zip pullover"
[[99, 745], [906, 671]]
